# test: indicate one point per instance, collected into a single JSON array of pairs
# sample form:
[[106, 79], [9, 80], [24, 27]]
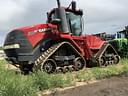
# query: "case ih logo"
[[39, 30]]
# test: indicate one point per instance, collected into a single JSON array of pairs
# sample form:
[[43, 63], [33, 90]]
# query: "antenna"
[[58, 3]]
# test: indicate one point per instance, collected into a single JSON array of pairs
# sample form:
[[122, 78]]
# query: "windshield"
[[75, 23]]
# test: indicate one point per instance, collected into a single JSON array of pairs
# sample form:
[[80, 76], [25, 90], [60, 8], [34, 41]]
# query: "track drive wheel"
[[49, 66], [79, 63], [101, 62], [116, 59]]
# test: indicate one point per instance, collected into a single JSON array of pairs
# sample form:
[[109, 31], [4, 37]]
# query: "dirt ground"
[[114, 86]]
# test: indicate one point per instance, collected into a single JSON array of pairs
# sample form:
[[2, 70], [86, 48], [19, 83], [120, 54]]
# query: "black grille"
[[11, 53], [17, 37]]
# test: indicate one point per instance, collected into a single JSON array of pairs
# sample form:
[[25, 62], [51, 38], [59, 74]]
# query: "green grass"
[[15, 85], [45, 81], [99, 73], [12, 84]]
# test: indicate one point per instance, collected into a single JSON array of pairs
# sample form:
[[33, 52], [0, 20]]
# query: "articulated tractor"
[[58, 45]]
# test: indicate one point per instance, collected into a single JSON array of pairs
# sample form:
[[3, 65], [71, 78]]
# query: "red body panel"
[[94, 42], [84, 44], [36, 33]]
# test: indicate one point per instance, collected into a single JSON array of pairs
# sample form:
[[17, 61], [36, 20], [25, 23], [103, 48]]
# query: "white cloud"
[[101, 15], [9, 10]]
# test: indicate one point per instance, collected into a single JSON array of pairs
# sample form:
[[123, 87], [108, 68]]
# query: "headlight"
[[12, 46]]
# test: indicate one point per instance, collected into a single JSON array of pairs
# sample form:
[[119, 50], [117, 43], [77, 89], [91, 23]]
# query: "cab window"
[[75, 23]]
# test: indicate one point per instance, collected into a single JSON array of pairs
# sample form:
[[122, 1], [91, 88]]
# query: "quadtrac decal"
[[38, 30]]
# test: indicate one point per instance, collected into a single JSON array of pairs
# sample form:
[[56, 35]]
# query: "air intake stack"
[[58, 3], [74, 5], [61, 14]]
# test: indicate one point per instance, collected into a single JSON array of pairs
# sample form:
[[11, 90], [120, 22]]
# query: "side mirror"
[[56, 21]]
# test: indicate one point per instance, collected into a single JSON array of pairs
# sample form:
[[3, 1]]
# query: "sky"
[[99, 15]]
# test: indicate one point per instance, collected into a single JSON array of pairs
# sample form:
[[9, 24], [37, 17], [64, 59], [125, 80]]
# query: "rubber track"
[[103, 49], [46, 55]]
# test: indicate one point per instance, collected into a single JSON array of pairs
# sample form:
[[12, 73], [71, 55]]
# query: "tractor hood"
[[22, 41], [35, 33], [94, 42]]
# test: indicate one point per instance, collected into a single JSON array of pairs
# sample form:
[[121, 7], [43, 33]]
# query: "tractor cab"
[[68, 20]]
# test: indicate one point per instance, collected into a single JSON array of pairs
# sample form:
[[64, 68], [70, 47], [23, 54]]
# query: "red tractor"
[[57, 45]]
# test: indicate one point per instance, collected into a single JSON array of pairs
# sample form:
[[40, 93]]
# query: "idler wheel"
[[49, 66], [116, 59], [79, 63]]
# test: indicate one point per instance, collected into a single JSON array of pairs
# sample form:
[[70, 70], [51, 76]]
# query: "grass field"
[[12, 84]]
